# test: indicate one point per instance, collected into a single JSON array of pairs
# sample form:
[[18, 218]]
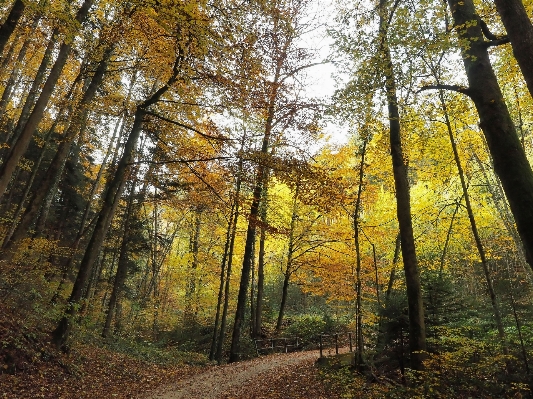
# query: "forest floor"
[[292, 375], [30, 367]]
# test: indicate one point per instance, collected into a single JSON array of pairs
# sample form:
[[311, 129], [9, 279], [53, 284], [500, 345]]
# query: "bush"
[[308, 327]]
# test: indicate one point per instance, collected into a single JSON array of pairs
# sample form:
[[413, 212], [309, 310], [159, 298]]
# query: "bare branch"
[[187, 127], [456, 88], [498, 42], [180, 160]]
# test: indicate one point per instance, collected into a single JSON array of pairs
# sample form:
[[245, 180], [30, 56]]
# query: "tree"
[[280, 26], [7, 28], [417, 332], [519, 32], [513, 170], [20, 147]]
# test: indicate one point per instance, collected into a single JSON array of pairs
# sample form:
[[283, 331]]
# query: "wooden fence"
[[278, 345], [340, 342], [327, 343]]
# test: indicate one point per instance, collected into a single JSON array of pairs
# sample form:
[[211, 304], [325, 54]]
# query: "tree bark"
[[220, 296], [18, 150], [520, 33], [8, 27], [417, 330], [122, 268], [37, 82], [358, 285], [473, 225], [261, 267], [510, 161], [111, 198], [53, 174]]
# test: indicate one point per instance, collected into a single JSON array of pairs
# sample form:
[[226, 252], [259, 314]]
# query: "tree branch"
[[180, 160], [456, 88], [486, 31], [187, 127], [498, 42]]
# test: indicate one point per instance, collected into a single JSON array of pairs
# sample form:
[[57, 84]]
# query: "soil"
[[285, 376]]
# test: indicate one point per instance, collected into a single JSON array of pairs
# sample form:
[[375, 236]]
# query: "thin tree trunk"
[[498, 197], [395, 260], [8, 27], [290, 258], [191, 306], [473, 225], [48, 184], [252, 224], [28, 187], [122, 268], [392, 278], [223, 321], [261, 267], [13, 77], [358, 285], [37, 82], [510, 161], [447, 241], [220, 297], [18, 150], [417, 330], [111, 199], [284, 292], [517, 320]]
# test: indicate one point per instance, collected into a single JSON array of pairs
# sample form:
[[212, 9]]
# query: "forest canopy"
[[177, 173]]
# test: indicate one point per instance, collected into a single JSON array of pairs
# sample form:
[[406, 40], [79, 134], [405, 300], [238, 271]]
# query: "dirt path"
[[232, 380]]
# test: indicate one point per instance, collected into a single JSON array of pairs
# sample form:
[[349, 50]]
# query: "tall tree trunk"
[[252, 222], [261, 267], [14, 76], [520, 32], [27, 189], [7, 28], [226, 260], [290, 258], [37, 82], [510, 161], [49, 183], [358, 285], [122, 268], [417, 330], [246, 266], [191, 306], [18, 150], [220, 296], [223, 321], [473, 225], [111, 198]]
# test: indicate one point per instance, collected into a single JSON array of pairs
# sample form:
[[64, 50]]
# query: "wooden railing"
[[278, 345], [340, 342], [337, 341]]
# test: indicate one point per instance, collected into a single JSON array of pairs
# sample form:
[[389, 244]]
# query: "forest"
[[181, 178]]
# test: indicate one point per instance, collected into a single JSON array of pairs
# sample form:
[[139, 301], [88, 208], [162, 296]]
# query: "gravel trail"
[[228, 380]]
